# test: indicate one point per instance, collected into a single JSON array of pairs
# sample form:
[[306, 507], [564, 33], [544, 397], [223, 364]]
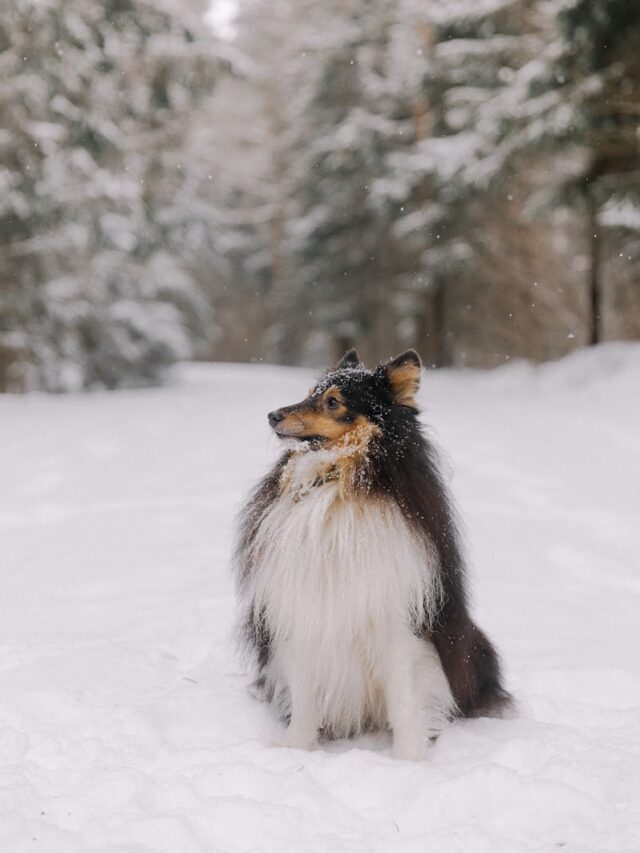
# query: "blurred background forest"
[[461, 176]]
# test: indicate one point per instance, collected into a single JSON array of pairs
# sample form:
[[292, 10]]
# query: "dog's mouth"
[[308, 438]]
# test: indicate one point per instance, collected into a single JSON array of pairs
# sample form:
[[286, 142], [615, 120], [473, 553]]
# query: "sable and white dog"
[[350, 571]]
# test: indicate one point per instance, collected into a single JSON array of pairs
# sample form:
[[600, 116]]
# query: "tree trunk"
[[433, 333], [595, 279]]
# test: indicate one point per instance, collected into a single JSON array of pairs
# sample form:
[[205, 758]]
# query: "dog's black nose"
[[275, 417]]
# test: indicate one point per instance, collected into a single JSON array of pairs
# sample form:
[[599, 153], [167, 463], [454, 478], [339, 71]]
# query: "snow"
[[125, 721], [620, 213]]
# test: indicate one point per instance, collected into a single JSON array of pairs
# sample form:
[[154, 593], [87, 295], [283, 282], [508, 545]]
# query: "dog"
[[350, 570]]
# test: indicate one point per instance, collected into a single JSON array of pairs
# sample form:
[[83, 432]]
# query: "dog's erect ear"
[[403, 374], [349, 360]]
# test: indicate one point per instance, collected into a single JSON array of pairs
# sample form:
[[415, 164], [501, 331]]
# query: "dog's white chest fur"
[[342, 581]]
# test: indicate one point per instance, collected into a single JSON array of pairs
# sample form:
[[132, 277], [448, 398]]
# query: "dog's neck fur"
[[345, 462]]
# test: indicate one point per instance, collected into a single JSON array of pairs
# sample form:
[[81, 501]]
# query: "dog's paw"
[[409, 749], [298, 740]]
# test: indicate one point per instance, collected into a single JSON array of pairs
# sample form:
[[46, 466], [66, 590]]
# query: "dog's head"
[[350, 397]]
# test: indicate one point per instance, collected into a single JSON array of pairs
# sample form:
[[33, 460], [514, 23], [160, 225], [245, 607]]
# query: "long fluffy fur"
[[353, 584], [405, 467]]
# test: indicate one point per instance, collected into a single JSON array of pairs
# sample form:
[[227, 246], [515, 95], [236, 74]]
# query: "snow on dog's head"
[[350, 404]]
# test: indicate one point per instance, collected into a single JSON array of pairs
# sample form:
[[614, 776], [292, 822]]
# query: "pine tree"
[[595, 75], [98, 96], [257, 104], [433, 175], [353, 108], [471, 54], [565, 101]]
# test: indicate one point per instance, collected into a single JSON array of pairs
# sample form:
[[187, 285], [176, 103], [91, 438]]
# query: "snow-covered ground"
[[125, 723]]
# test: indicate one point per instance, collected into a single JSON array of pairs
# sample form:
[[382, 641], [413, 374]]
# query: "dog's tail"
[[488, 697], [472, 667]]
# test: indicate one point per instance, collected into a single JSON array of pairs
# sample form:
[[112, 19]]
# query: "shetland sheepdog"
[[350, 571]]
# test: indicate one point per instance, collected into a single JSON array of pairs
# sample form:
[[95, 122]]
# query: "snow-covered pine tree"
[[396, 170], [341, 229], [252, 113], [500, 281], [587, 99], [562, 125], [95, 101], [307, 271], [471, 53]]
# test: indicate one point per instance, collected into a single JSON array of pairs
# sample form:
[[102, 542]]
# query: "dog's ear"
[[403, 374], [349, 360]]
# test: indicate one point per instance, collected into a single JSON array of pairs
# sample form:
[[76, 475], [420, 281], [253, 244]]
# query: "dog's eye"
[[332, 402]]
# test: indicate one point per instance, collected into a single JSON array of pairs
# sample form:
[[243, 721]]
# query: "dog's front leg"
[[295, 663], [303, 726], [412, 684]]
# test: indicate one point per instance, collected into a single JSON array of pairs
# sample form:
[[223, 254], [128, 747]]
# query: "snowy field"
[[125, 722]]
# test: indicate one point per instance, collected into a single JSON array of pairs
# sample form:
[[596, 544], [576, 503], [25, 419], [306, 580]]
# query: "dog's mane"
[[404, 465]]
